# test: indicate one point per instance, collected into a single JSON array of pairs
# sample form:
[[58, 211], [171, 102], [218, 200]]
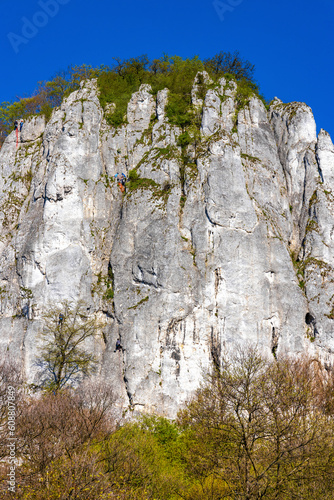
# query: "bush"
[[184, 140], [141, 460], [133, 175], [226, 62], [117, 84], [57, 439], [257, 426]]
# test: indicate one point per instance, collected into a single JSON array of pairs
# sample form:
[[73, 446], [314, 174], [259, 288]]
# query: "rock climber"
[[120, 184], [16, 128], [25, 311], [118, 346], [123, 181], [21, 124]]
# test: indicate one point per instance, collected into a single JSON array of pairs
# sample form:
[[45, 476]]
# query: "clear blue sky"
[[289, 41]]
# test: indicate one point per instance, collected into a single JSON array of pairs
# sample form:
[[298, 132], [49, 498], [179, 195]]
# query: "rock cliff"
[[234, 245]]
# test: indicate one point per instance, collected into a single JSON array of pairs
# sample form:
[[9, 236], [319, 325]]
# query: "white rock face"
[[295, 134], [235, 247]]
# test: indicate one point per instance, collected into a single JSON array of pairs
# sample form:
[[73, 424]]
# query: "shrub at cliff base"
[[254, 430]]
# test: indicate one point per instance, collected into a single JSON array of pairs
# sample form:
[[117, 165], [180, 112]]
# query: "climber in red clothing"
[[121, 181]]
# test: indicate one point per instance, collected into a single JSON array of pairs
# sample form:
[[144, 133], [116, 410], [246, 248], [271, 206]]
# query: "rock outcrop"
[[234, 246]]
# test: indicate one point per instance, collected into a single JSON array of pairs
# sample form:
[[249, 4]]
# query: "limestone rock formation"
[[234, 246]]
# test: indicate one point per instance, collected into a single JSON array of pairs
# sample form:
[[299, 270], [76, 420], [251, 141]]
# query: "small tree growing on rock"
[[63, 355], [226, 62]]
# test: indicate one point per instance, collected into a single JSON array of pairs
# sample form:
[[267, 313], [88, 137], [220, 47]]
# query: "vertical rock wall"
[[233, 247]]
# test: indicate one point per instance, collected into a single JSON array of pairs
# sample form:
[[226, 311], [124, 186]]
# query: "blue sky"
[[290, 42]]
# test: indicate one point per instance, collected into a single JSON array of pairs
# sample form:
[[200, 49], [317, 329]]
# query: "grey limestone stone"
[[235, 248]]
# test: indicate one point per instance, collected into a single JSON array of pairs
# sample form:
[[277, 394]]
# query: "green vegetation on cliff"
[[118, 82]]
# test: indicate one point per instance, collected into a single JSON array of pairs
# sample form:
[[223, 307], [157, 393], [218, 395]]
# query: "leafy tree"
[[160, 65], [64, 356], [47, 96], [57, 440], [257, 431], [226, 62], [142, 461], [118, 82]]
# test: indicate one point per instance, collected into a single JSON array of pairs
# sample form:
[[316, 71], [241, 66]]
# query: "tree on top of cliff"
[[233, 64], [119, 81]]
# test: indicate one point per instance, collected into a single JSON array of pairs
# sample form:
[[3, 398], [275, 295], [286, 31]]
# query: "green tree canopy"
[[118, 81], [256, 430], [64, 357]]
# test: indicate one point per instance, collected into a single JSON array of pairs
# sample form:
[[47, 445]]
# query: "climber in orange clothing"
[[121, 182]]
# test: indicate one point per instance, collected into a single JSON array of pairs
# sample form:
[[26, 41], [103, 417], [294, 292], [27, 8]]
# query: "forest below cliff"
[[255, 429]]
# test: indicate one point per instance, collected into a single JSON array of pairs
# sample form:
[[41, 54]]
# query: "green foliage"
[[105, 284], [117, 84], [184, 139], [63, 356], [137, 182], [117, 89], [179, 81], [245, 90], [183, 200], [159, 192], [165, 431], [109, 282], [253, 159], [322, 268], [142, 301], [133, 175], [177, 110], [109, 295], [226, 62], [256, 429], [142, 461]]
